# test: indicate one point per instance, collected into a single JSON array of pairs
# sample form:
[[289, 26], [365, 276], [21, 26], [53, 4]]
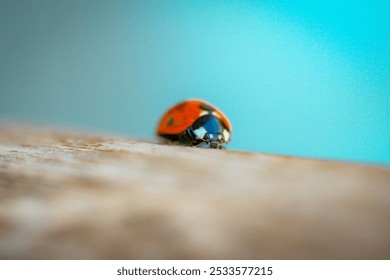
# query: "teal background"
[[305, 78]]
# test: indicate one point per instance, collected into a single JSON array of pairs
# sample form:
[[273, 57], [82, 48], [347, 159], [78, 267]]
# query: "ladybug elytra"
[[195, 123]]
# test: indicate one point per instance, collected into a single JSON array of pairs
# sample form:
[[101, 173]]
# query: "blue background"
[[306, 78]]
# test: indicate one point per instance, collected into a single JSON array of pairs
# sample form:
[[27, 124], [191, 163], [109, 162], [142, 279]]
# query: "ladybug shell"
[[181, 116]]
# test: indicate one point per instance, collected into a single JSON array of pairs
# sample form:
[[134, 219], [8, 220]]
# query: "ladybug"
[[195, 123]]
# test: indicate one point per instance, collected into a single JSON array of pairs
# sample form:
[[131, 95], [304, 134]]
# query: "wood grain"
[[67, 195]]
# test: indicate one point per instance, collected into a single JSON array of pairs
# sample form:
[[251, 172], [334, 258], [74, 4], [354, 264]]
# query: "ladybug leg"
[[184, 138], [215, 145]]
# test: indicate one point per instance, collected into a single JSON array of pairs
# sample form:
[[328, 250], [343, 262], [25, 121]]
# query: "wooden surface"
[[73, 196]]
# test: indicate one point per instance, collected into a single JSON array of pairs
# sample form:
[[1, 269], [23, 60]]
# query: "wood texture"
[[76, 196]]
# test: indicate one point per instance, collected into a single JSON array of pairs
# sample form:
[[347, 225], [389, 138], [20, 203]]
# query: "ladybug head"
[[214, 140], [209, 129]]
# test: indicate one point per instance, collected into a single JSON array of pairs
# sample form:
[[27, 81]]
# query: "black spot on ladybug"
[[206, 107], [170, 121]]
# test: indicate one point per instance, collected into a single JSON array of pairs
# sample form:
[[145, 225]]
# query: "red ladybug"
[[195, 122]]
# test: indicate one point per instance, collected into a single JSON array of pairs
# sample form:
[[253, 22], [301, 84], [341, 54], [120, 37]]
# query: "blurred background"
[[303, 78]]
